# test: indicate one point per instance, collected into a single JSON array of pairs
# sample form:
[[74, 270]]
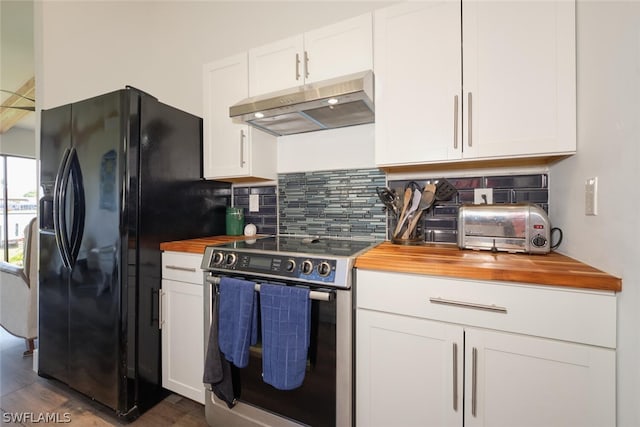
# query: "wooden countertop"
[[446, 260], [443, 260], [196, 246]]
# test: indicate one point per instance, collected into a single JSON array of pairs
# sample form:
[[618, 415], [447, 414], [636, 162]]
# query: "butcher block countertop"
[[196, 246], [444, 260]]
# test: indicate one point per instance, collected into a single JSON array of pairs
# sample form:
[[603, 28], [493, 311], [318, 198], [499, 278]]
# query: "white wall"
[[92, 47], [608, 54], [18, 142]]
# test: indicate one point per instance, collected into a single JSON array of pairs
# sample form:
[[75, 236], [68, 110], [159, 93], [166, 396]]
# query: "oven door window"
[[313, 403]]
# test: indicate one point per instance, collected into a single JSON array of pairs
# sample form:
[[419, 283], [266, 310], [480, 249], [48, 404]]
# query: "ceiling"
[[16, 51]]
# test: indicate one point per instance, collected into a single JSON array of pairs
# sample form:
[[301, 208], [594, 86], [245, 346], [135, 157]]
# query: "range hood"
[[329, 104]]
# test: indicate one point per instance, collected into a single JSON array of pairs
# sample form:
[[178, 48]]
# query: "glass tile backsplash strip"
[[337, 203], [440, 223]]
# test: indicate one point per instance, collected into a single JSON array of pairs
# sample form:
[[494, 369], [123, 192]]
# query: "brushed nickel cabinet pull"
[[242, 162], [464, 304], [474, 381], [297, 66], [470, 132], [455, 122], [160, 319], [175, 267], [455, 377], [306, 64]]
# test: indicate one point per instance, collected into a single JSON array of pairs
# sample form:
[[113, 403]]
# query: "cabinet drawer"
[[183, 267], [581, 316]]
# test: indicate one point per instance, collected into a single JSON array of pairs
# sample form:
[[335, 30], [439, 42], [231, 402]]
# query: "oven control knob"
[[324, 269], [307, 266], [218, 257], [290, 266], [231, 259]]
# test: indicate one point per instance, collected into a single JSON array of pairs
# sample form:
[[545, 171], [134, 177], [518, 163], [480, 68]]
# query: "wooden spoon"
[[427, 199], [407, 198]]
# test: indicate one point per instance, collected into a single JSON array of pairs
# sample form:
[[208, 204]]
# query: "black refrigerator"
[[120, 173]]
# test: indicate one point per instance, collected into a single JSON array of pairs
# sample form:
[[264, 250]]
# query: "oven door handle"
[[328, 295]]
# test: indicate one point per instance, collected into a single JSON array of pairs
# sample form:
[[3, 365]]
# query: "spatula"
[[415, 202], [426, 201], [445, 190]]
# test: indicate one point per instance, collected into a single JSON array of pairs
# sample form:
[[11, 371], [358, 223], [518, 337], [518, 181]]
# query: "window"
[[18, 178]]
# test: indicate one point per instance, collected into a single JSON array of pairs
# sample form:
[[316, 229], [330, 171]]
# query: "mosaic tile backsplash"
[[440, 223], [338, 203], [344, 203]]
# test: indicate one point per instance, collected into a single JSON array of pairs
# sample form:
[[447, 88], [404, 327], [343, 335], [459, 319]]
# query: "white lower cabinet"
[[518, 380], [405, 371], [418, 368], [182, 323]]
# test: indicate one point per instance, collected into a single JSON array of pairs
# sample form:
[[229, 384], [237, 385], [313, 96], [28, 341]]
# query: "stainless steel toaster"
[[520, 227]]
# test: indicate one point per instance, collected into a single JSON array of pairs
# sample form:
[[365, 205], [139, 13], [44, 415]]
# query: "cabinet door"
[[225, 143], [339, 49], [408, 371], [519, 78], [517, 380], [182, 343], [276, 66], [417, 82]]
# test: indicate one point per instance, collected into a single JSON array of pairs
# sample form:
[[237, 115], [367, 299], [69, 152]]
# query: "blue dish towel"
[[238, 320], [286, 321]]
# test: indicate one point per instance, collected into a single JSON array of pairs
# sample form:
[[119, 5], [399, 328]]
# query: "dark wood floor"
[[23, 391]]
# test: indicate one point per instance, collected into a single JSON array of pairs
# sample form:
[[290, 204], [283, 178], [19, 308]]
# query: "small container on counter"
[[235, 221], [410, 232]]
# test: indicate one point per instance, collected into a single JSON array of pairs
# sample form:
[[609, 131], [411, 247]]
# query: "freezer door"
[[53, 301]]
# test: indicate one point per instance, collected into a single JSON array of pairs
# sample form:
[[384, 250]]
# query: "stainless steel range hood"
[[329, 104]]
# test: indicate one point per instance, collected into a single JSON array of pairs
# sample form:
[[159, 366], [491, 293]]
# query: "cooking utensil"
[[415, 202], [406, 200], [445, 190], [427, 200], [413, 186], [388, 198]]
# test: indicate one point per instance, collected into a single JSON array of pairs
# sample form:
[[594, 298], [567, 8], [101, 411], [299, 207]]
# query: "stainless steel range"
[[325, 266]]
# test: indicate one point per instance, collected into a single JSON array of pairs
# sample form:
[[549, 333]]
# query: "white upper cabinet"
[[339, 49], [233, 151], [514, 95], [520, 78], [276, 66], [331, 51], [417, 82]]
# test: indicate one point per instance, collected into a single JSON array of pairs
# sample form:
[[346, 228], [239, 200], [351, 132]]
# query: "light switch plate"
[[254, 202]]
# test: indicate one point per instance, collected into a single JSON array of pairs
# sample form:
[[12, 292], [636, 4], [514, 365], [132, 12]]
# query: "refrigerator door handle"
[[79, 210], [153, 319], [59, 208]]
